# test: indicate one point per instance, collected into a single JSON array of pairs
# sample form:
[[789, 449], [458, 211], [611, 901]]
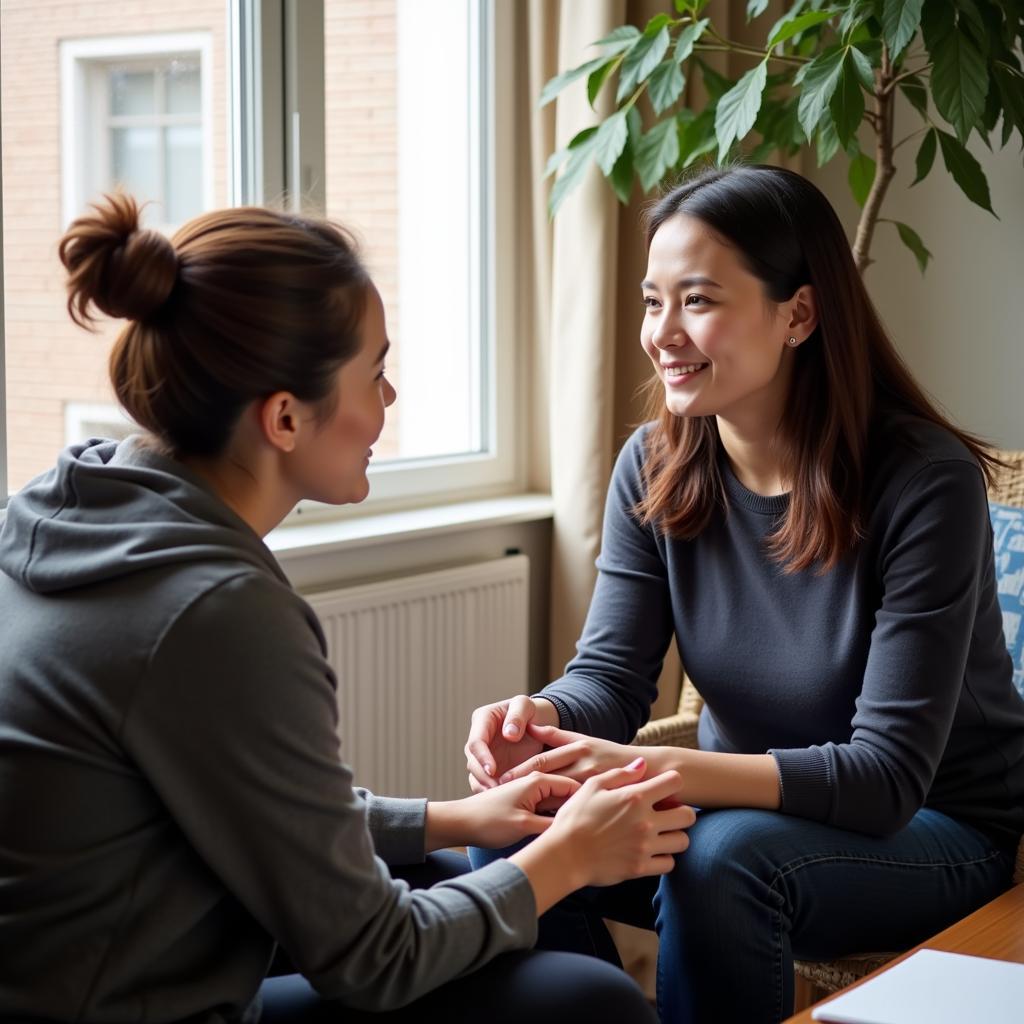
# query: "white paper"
[[932, 987]]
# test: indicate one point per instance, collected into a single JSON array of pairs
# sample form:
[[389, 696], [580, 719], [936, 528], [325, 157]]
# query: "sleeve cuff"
[[566, 719], [805, 781], [398, 828]]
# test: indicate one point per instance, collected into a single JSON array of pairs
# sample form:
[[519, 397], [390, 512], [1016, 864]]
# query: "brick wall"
[[50, 362]]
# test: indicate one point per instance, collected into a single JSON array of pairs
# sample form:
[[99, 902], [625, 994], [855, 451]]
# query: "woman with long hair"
[[815, 534], [174, 807]]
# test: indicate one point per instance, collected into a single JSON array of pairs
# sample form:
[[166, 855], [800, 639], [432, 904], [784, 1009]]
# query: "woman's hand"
[[498, 740], [573, 755], [498, 817], [617, 825]]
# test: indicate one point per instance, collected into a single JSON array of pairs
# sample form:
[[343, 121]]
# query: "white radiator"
[[414, 656]]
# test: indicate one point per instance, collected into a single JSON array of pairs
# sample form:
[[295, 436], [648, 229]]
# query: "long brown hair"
[[844, 374], [239, 304]]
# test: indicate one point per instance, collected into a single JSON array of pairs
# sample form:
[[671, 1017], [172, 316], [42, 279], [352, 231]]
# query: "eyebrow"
[[383, 353], [686, 282]]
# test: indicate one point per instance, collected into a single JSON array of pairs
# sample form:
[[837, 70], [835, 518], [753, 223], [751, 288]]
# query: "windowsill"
[[326, 537]]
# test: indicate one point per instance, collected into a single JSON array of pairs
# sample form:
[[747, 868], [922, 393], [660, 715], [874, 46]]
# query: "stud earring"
[[791, 342]]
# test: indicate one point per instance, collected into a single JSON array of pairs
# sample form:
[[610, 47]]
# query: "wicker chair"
[[680, 730]]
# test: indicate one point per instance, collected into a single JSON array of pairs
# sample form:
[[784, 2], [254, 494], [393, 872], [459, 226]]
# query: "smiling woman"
[[815, 535]]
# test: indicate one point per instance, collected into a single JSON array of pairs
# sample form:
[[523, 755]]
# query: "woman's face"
[[335, 458], [717, 343]]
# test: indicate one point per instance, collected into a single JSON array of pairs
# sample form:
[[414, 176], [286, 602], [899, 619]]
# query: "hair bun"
[[113, 265]]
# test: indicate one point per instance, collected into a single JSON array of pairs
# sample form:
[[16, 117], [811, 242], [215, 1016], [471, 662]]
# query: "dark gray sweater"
[[880, 687], [173, 799]]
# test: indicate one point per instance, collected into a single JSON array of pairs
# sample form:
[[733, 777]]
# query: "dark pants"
[[531, 987], [758, 888]]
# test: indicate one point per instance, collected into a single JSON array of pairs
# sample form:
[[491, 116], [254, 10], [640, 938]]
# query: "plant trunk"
[[885, 97]]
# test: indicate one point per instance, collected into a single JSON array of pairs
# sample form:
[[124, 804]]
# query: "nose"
[[668, 331], [390, 394]]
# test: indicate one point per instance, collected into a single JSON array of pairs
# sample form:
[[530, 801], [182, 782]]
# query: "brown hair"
[[240, 303], [844, 375]]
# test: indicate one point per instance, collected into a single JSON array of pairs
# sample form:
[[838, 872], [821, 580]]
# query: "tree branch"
[[906, 74], [747, 51], [885, 169]]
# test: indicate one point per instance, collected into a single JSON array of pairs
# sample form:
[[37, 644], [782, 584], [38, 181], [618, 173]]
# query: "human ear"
[[803, 312], [279, 420]]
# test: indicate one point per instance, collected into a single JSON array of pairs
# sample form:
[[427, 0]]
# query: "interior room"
[[432, 133]]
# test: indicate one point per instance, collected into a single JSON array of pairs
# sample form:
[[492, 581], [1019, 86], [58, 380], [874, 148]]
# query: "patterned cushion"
[[1008, 527]]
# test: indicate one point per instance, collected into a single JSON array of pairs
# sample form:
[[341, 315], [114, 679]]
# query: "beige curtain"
[[571, 291]]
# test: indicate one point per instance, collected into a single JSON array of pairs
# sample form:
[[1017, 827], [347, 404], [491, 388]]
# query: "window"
[[378, 113], [135, 114]]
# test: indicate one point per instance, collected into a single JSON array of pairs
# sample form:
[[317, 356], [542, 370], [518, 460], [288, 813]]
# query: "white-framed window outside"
[[386, 115], [136, 114]]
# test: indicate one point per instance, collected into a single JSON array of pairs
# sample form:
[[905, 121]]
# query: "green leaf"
[[737, 109], [862, 66], [912, 240], [597, 79], [656, 24], [914, 89], [665, 86], [900, 21], [696, 137], [847, 104], [717, 85], [689, 35], [966, 171], [959, 76], [970, 15], [925, 157], [611, 138], [621, 178], [828, 141], [856, 14], [790, 28], [755, 8], [640, 61], [619, 39], [581, 150], [818, 82], [560, 156], [861, 177], [1010, 84], [656, 152], [555, 161], [559, 82]]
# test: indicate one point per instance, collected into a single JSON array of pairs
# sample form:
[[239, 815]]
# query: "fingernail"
[[488, 769], [505, 777], [635, 763], [510, 729]]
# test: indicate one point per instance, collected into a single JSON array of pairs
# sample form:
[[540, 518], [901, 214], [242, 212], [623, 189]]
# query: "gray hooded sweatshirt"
[[173, 800]]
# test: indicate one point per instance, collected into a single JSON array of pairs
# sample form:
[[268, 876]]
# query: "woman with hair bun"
[[173, 803], [815, 534]]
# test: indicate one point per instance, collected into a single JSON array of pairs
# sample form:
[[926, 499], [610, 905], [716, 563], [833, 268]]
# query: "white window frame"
[[271, 97], [83, 63], [278, 129]]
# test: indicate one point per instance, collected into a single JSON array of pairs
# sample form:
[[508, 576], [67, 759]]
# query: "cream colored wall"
[[960, 326]]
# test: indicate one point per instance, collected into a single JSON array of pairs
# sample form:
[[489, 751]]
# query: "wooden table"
[[996, 930]]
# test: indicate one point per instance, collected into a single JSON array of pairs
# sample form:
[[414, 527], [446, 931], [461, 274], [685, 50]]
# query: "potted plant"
[[826, 69]]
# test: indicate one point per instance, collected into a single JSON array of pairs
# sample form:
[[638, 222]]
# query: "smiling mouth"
[[678, 374]]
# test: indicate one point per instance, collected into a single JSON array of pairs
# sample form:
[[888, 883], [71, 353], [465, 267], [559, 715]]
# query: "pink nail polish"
[[635, 763]]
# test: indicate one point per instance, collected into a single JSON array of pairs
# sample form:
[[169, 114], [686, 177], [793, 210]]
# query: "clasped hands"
[[522, 769]]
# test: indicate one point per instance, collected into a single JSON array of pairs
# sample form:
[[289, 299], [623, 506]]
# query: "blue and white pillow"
[[1008, 528]]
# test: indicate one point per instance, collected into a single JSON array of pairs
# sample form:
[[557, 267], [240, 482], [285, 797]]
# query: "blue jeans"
[[546, 987], [758, 888]]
